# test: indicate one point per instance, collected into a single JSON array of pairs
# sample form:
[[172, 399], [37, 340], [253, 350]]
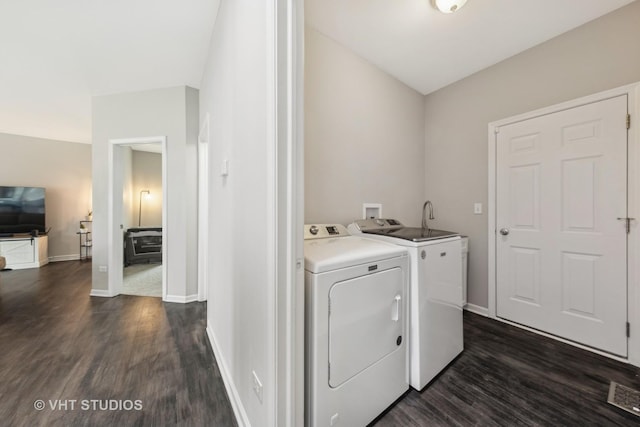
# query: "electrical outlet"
[[477, 208], [102, 269], [257, 386]]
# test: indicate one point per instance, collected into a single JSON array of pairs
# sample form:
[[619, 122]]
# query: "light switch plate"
[[224, 169], [477, 208]]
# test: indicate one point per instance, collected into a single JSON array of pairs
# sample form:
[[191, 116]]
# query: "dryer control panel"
[[323, 231]]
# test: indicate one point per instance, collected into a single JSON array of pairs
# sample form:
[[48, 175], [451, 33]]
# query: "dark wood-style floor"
[[510, 377], [57, 343]]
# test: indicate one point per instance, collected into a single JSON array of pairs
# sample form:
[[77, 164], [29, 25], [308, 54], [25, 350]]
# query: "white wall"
[[238, 95], [599, 55], [364, 137], [64, 170], [146, 174], [192, 107], [161, 112]]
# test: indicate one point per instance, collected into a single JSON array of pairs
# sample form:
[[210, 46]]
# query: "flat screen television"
[[21, 210]]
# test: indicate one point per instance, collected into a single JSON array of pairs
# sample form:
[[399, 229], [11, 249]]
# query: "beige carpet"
[[143, 280]]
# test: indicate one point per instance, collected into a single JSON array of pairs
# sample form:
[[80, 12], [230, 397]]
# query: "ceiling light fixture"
[[448, 6]]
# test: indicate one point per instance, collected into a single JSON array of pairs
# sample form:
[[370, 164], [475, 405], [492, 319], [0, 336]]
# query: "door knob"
[[504, 231]]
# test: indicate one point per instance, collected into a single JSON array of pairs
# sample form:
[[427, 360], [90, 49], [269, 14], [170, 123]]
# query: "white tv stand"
[[25, 251]]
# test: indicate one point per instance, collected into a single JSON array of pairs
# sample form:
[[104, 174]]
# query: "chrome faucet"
[[424, 214]]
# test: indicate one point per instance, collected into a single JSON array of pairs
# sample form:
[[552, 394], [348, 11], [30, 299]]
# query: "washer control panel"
[[323, 231], [378, 224]]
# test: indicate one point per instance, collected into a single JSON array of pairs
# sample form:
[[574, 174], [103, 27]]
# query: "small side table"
[[86, 241]]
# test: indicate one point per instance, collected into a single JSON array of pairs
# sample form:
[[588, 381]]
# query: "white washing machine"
[[356, 323], [435, 296]]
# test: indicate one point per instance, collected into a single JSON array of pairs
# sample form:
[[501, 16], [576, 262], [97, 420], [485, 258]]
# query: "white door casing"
[[203, 209], [561, 184]]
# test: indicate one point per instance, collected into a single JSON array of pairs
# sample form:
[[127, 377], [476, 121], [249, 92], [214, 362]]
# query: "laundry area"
[[385, 271], [517, 226]]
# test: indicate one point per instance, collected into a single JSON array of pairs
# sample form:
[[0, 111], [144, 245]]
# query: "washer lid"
[[415, 234], [331, 254]]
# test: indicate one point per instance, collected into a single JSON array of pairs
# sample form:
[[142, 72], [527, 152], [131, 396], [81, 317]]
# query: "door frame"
[[633, 210], [114, 210], [287, 24], [203, 209]]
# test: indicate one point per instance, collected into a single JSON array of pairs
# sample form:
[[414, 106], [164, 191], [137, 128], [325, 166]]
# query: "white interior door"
[[561, 186]]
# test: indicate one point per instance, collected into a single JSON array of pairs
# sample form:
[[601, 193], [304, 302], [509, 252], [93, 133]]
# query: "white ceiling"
[[57, 54], [428, 50]]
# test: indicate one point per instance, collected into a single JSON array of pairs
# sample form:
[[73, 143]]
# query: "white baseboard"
[[482, 311], [100, 293], [234, 398], [59, 258], [181, 299]]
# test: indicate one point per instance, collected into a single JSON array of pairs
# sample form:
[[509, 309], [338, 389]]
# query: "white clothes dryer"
[[355, 324], [435, 295]]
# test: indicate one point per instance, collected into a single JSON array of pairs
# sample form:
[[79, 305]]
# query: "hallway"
[[84, 356]]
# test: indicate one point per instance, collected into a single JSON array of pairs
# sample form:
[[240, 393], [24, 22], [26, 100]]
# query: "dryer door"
[[366, 322]]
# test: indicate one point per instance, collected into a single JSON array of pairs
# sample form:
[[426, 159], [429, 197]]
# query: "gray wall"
[[364, 137], [160, 112], [146, 174], [597, 56], [64, 169]]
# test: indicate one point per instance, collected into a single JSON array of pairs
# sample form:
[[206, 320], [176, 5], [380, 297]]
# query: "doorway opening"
[[137, 217]]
